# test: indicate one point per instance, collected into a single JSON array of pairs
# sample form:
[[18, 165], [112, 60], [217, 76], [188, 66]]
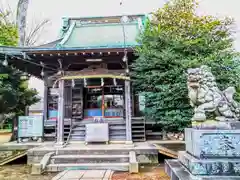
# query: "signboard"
[[30, 126]]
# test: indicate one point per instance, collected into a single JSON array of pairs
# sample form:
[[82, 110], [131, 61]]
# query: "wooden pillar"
[[103, 102], [128, 112], [61, 110], [45, 100]]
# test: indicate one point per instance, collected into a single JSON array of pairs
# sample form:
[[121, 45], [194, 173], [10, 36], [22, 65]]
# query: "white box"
[[97, 132]]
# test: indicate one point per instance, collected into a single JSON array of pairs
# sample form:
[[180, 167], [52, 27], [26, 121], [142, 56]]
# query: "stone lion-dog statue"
[[207, 98]]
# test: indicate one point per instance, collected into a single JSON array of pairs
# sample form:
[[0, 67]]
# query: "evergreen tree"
[[174, 40], [14, 94]]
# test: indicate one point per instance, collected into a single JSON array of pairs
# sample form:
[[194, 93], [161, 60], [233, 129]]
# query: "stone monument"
[[213, 142]]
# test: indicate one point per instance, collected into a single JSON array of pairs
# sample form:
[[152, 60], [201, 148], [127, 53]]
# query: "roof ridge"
[[107, 16]]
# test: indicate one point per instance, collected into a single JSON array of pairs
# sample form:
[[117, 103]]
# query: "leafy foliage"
[[174, 40], [8, 30], [14, 94]]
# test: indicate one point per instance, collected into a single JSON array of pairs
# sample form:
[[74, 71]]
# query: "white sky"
[[56, 9]]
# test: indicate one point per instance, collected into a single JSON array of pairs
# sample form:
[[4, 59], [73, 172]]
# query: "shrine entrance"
[[104, 100]]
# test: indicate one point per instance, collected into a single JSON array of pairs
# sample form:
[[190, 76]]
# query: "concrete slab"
[[84, 175], [74, 174], [108, 174], [59, 175], [94, 174]]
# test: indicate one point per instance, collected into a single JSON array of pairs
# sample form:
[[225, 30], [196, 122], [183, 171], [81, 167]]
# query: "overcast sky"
[[54, 10]]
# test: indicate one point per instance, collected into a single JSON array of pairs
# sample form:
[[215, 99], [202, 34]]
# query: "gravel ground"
[[147, 173], [21, 172]]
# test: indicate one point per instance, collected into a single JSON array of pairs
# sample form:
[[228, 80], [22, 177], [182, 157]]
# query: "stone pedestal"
[[210, 154]]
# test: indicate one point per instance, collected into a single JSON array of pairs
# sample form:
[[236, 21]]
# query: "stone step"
[[93, 151], [65, 159], [117, 127], [109, 121], [113, 136], [116, 133], [80, 128], [77, 138], [78, 133], [111, 130], [87, 166], [111, 127]]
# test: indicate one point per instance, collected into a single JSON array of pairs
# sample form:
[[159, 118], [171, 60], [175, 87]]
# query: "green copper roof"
[[94, 35]]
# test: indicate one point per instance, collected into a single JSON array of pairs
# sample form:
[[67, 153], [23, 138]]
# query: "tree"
[[174, 40], [14, 94]]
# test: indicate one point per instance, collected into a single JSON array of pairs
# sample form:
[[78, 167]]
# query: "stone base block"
[[212, 124], [177, 171], [213, 143], [210, 167], [36, 169], [133, 167], [133, 164]]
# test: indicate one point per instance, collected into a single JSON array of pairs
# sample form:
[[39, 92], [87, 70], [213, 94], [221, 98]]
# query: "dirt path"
[[21, 172], [150, 173]]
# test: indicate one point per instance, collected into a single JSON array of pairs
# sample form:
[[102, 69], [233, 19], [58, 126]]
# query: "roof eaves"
[[31, 50], [21, 50], [11, 50]]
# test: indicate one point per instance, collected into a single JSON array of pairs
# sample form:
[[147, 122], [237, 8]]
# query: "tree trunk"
[[14, 129], [2, 120], [21, 20]]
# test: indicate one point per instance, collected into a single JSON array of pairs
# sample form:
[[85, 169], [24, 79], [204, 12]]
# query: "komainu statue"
[[206, 97]]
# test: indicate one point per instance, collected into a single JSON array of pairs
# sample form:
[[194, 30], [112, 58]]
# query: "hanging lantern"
[[102, 82], [5, 62], [42, 73], [73, 83], [85, 82], [114, 82]]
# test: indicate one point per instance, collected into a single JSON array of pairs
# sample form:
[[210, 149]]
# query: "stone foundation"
[[120, 157], [209, 154]]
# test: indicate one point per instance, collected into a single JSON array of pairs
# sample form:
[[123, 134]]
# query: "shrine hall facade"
[[86, 75]]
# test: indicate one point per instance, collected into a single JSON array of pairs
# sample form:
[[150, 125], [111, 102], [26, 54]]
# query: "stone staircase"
[[117, 130], [88, 159]]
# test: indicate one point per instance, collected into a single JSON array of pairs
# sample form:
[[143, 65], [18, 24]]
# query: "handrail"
[[69, 135]]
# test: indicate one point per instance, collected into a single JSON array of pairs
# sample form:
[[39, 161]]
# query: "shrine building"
[[86, 76]]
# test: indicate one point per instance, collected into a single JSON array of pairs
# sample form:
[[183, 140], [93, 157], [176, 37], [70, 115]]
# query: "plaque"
[[30, 126]]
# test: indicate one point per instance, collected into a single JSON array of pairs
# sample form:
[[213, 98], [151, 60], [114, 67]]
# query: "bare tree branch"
[[33, 30], [34, 34]]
